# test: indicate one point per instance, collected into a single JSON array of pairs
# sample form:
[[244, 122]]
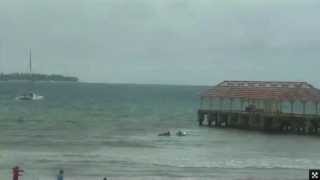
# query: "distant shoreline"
[[22, 77]]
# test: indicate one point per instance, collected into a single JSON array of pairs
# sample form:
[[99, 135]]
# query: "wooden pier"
[[287, 123], [286, 107]]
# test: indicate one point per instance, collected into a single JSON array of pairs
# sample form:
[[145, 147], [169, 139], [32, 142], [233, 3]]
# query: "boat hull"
[[28, 98]]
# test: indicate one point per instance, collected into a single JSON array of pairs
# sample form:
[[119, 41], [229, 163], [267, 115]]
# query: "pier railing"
[[259, 120]]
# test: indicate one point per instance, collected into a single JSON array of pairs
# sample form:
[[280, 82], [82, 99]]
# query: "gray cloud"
[[163, 41]]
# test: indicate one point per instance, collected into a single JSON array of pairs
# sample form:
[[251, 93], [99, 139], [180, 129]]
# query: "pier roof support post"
[[231, 104], [303, 107], [241, 104], [274, 106], [265, 105], [317, 107], [291, 106], [280, 106], [220, 103], [259, 104], [210, 103]]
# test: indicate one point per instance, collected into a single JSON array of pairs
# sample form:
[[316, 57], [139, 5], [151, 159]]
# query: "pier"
[[286, 107]]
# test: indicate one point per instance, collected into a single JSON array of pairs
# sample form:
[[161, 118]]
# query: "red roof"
[[265, 90]]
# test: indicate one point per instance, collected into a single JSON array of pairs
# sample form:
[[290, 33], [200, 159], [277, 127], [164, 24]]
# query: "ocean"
[[97, 130]]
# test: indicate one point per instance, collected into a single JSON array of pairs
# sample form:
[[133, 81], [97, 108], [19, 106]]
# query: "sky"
[[194, 42]]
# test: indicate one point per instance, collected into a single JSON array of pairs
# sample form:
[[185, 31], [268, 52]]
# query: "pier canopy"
[[266, 96]]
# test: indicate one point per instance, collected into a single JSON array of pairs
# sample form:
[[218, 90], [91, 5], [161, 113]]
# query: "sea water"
[[97, 130]]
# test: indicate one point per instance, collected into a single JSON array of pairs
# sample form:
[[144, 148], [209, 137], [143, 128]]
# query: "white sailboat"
[[31, 95]]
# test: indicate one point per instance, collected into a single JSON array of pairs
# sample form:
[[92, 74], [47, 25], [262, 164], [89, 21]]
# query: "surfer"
[[181, 133], [165, 134]]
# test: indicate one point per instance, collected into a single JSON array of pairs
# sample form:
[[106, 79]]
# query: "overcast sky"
[[198, 42]]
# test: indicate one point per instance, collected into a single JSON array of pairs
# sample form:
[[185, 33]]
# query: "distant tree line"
[[35, 77]]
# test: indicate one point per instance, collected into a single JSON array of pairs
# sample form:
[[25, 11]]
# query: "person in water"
[[181, 133], [60, 175], [165, 134]]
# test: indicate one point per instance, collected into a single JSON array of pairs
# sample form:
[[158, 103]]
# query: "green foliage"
[[35, 77]]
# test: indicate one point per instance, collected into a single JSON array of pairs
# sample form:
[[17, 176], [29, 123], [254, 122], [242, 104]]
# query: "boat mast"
[[30, 67], [2, 57], [30, 62]]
